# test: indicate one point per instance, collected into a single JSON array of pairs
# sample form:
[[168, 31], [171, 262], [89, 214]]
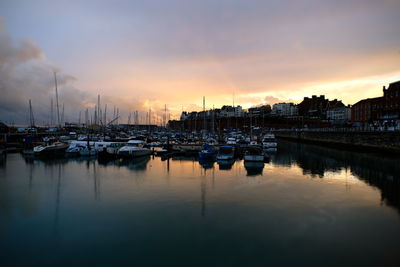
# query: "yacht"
[[134, 148], [111, 151], [57, 148], [231, 141], [269, 141]]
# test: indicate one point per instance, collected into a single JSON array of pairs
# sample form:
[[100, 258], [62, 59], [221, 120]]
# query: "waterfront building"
[[229, 111], [384, 109], [316, 107], [285, 110], [259, 111], [338, 115]]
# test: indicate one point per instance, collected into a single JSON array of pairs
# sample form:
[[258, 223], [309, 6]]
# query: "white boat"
[[57, 148], [111, 151], [134, 148], [231, 141], [269, 141], [254, 143], [74, 149]]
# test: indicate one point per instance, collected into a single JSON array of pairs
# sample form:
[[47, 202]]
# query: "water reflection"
[[377, 170], [225, 165], [134, 164], [207, 164], [170, 209], [254, 168]]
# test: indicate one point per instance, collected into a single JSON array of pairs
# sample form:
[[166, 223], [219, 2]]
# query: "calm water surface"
[[310, 206]]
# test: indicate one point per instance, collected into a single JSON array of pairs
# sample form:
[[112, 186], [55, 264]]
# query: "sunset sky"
[[141, 53]]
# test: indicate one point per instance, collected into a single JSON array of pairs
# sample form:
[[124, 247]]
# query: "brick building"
[[317, 107], [384, 108]]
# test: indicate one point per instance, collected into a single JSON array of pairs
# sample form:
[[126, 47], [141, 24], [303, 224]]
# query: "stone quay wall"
[[383, 141]]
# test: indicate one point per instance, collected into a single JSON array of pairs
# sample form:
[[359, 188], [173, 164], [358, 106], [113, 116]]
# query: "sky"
[[142, 54]]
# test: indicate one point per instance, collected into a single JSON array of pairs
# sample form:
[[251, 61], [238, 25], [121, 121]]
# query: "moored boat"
[[57, 148], [134, 148], [269, 141], [111, 151]]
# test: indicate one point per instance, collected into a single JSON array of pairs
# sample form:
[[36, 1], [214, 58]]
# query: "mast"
[[105, 114], [31, 118], [98, 117], [165, 115], [62, 114], [117, 116], [51, 112], [212, 119], [58, 108], [129, 118], [204, 114]]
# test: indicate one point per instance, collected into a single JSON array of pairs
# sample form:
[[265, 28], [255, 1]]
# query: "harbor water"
[[308, 206]]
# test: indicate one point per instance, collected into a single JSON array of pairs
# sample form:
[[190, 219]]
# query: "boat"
[[254, 153], [207, 152], [231, 141], [269, 141], [57, 148], [110, 151], [226, 153], [254, 143], [74, 149], [134, 148]]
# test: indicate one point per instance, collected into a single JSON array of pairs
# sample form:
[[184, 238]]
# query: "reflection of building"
[[384, 108], [380, 172]]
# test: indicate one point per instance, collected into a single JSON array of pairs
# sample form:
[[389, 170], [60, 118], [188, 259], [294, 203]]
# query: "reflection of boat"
[[57, 148], [254, 167], [226, 153], [269, 141], [206, 164], [161, 152], [254, 153], [87, 152], [133, 149], [187, 147], [270, 149], [225, 164], [137, 163], [207, 152]]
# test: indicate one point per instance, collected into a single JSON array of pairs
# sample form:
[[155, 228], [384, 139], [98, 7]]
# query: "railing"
[[345, 130]]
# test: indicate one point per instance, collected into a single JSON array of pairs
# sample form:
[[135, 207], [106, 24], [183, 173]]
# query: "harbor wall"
[[372, 141]]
